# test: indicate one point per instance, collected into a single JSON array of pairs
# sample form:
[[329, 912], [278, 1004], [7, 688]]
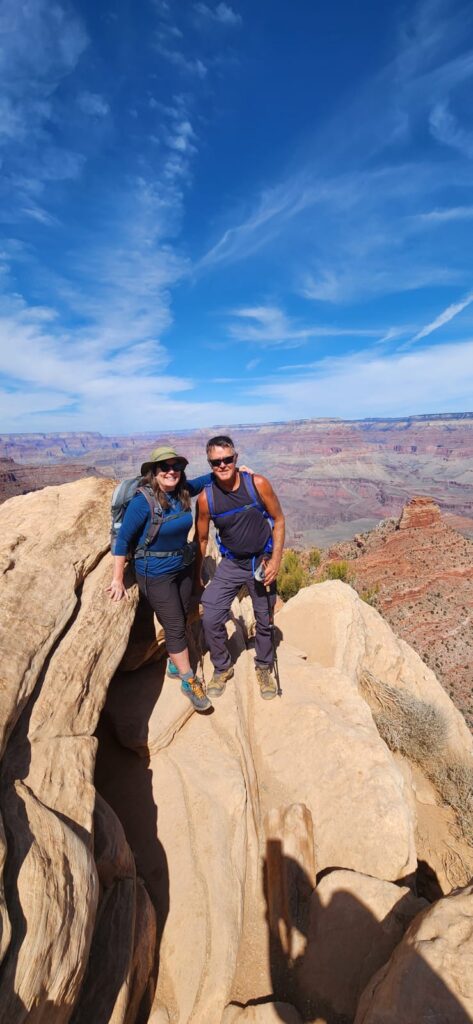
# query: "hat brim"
[[148, 466]]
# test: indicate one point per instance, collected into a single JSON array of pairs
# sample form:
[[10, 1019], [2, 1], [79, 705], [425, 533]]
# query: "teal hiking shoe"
[[191, 686], [171, 670], [219, 681]]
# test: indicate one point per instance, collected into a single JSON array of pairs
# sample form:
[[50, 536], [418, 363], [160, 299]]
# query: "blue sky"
[[234, 212]]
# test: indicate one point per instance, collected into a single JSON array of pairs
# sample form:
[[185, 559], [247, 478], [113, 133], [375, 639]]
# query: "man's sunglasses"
[[226, 461], [165, 467]]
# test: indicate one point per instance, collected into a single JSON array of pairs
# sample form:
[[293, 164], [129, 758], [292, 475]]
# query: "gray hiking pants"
[[217, 600]]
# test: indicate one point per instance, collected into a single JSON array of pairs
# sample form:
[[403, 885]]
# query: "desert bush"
[[336, 571], [314, 558], [370, 594], [419, 731], [291, 576]]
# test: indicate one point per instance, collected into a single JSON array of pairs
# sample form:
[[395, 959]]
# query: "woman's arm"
[[198, 483], [132, 526], [117, 588]]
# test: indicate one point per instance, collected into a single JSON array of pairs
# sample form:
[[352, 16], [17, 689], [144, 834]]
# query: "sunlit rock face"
[[256, 864]]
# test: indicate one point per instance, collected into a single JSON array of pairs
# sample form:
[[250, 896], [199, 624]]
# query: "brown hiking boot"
[[267, 682], [219, 681]]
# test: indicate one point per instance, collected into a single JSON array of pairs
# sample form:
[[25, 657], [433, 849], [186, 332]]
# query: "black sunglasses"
[[227, 461], [178, 466]]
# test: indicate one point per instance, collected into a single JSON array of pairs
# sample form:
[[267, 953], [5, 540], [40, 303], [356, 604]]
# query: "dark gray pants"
[[217, 599]]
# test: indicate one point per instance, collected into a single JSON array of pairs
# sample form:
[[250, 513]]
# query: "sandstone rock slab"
[[355, 924], [265, 1013], [430, 975]]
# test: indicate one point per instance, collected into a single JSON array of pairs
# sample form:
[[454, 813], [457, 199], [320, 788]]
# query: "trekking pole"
[[259, 576], [273, 639]]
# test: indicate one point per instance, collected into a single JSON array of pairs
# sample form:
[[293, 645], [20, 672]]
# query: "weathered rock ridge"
[[419, 572], [270, 861]]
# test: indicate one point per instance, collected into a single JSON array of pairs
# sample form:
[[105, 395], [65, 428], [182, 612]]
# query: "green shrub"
[[290, 583], [291, 576], [369, 596], [314, 558], [337, 571]]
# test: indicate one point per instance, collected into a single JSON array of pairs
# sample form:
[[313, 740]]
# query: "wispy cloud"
[[444, 318], [438, 378], [269, 325], [92, 103], [193, 66], [223, 14], [445, 127], [43, 45], [444, 216]]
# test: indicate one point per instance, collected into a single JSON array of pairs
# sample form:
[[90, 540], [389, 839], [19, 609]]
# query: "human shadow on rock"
[[316, 948]]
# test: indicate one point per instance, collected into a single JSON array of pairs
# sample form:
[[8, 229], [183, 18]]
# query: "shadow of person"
[[323, 955]]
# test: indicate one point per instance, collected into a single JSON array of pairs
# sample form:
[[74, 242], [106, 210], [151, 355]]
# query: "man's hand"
[[271, 570]]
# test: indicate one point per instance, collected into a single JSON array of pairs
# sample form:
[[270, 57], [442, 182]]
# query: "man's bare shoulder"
[[202, 503]]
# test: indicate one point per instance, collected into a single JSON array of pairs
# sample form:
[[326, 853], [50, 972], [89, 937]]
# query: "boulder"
[[355, 924], [265, 1013], [430, 974]]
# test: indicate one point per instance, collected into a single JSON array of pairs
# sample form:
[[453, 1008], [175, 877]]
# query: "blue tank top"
[[246, 533]]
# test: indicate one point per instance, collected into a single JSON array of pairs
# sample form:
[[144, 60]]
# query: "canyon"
[[335, 478], [418, 571]]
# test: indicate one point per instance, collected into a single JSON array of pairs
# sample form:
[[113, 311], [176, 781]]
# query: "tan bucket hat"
[[160, 455]]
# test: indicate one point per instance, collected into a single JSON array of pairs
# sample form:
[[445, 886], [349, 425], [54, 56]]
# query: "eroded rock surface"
[[233, 861]]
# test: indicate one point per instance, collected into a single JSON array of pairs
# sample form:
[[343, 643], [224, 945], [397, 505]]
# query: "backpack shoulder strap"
[[251, 488], [209, 494], [156, 514]]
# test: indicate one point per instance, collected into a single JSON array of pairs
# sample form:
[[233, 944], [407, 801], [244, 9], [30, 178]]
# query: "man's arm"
[[271, 504], [202, 524]]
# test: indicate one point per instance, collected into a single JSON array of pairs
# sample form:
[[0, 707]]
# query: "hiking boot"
[[267, 682], [191, 686], [171, 670], [219, 681]]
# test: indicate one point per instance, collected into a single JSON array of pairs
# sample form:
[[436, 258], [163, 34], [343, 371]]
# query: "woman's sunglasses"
[[226, 461], [166, 467]]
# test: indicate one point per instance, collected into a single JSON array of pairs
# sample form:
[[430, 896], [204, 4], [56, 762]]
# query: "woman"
[[164, 571]]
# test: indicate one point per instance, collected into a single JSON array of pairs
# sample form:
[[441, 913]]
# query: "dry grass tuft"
[[419, 731]]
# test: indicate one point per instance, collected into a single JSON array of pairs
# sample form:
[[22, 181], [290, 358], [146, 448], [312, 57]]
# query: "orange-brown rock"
[[419, 573], [419, 513]]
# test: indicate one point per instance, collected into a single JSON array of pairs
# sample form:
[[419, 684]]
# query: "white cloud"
[[42, 216], [445, 127], [42, 44], [191, 65], [269, 325], [444, 317], [435, 379], [93, 104], [222, 13], [445, 215], [384, 276]]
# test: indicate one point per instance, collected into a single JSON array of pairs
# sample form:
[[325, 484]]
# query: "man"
[[240, 506]]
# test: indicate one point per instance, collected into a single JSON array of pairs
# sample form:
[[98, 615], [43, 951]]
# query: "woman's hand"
[[117, 590]]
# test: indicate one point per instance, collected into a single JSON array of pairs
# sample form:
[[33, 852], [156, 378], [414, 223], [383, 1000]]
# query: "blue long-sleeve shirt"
[[171, 537]]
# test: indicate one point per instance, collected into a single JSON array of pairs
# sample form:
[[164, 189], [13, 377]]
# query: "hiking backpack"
[[254, 503], [121, 497]]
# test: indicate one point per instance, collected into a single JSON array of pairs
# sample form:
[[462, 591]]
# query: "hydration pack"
[[121, 497], [254, 503]]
